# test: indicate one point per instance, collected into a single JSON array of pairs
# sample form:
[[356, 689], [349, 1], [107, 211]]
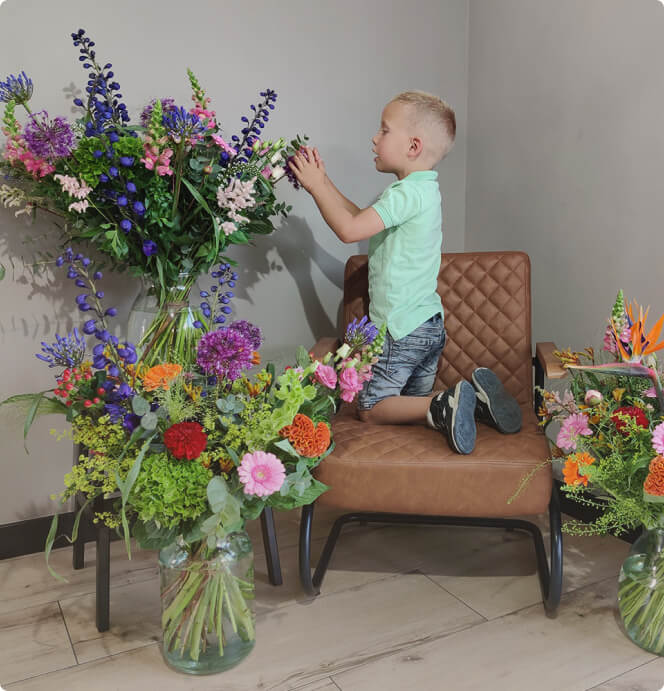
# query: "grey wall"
[[565, 152], [334, 65]]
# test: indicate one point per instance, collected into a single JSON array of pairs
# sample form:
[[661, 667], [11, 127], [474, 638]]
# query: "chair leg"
[[304, 556], [103, 581], [78, 554], [271, 546], [550, 576]]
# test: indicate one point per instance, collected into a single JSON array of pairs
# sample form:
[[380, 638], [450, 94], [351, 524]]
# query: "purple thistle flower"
[[249, 331], [18, 89], [67, 351], [225, 353], [360, 334], [48, 139], [167, 106]]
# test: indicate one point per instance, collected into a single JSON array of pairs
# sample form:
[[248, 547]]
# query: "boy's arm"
[[347, 203], [349, 226]]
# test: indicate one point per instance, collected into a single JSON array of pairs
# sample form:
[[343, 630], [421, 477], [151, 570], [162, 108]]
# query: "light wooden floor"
[[402, 608]]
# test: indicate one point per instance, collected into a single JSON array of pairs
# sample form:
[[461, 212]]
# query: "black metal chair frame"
[[550, 574], [103, 536]]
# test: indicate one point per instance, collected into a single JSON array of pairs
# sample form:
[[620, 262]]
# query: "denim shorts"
[[407, 367]]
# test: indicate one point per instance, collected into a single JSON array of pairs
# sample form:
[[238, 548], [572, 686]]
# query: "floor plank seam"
[[458, 599], [64, 621], [41, 674], [622, 674]]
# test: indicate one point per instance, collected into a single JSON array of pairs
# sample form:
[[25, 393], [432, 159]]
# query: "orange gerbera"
[[654, 483], [160, 376], [571, 473], [307, 439]]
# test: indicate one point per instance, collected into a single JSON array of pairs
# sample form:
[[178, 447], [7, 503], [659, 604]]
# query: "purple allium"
[[67, 351], [360, 334], [251, 332], [149, 248], [48, 139], [225, 353], [18, 89], [167, 106]]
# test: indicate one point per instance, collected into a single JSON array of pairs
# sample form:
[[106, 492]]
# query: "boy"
[[416, 132]]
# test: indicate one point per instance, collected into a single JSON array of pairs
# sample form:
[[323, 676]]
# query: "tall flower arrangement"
[[193, 449], [160, 199]]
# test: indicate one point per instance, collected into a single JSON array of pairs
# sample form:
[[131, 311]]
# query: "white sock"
[[430, 419]]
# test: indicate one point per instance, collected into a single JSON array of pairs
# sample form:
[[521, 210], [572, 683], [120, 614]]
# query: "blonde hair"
[[435, 117]]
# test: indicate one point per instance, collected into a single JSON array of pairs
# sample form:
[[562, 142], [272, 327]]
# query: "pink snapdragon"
[[156, 159], [207, 117], [658, 439], [261, 473], [326, 376], [16, 149], [349, 383]]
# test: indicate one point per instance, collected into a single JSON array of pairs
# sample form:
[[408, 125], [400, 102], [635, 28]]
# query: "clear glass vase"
[[207, 611], [164, 332], [641, 591]]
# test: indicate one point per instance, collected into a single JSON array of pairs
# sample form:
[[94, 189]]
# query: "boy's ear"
[[416, 147]]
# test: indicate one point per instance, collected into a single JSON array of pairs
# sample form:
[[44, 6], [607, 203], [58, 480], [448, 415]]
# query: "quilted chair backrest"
[[486, 298]]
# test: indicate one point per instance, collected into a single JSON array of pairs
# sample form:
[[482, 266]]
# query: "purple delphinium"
[[17, 89], [252, 129], [167, 106], [252, 333], [67, 351], [48, 139], [149, 248], [360, 334], [225, 353]]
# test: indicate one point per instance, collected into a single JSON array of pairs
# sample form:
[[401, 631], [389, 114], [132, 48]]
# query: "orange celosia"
[[308, 440], [654, 483], [160, 376], [571, 468]]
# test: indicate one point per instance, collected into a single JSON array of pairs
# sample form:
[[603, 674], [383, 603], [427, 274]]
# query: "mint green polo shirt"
[[404, 258]]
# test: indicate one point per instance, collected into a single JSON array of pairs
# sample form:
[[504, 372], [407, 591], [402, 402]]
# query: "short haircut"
[[436, 117]]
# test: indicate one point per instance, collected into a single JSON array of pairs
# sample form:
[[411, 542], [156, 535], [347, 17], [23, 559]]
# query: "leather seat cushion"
[[411, 469]]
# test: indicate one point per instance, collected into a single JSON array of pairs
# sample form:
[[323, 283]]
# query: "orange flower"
[[160, 376], [571, 468], [308, 440], [654, 483]]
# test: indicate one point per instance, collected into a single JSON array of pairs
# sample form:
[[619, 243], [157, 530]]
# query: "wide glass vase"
[[207, 613], [163, 330], [641, 591]]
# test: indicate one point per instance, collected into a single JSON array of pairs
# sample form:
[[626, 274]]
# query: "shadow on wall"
[[294, 243]]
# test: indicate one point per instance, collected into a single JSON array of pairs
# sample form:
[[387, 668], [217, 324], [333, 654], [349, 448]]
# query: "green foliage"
[[85, 165]]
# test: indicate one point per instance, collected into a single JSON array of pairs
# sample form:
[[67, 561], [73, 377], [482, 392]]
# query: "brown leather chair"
[[408, 473]]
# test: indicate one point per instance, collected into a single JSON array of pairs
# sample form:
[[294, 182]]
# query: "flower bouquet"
[[162, 199], [611, 443], [188, 452]]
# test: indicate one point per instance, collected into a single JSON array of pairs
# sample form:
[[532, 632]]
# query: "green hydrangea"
[[168, 492]]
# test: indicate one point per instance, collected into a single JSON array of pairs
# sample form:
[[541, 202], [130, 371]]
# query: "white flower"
[[228, 227], [276, 158], [278, 172]]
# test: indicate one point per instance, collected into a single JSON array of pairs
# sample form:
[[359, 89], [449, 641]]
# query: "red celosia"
[[632, 411], [185, 440]]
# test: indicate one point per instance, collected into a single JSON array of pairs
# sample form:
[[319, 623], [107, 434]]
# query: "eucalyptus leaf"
[[140, 406], [149, 421]]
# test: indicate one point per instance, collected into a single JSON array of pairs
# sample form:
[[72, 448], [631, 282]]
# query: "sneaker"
[[495, 407], [453, 414]]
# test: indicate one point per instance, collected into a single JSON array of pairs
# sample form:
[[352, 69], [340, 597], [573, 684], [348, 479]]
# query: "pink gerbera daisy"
[[572, 428], [261, 473], [658, 439]]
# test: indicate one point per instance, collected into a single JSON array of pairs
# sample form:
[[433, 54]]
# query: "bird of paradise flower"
[[632, 353]]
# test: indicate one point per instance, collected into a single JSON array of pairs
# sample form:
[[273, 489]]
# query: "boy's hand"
[[319, 161], [307, 170]]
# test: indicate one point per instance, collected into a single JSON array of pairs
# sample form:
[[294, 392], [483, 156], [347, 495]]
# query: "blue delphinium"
[[103, 105], [220, 308], [17, 89], [67, 351], [252, 129], [360, 334]]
